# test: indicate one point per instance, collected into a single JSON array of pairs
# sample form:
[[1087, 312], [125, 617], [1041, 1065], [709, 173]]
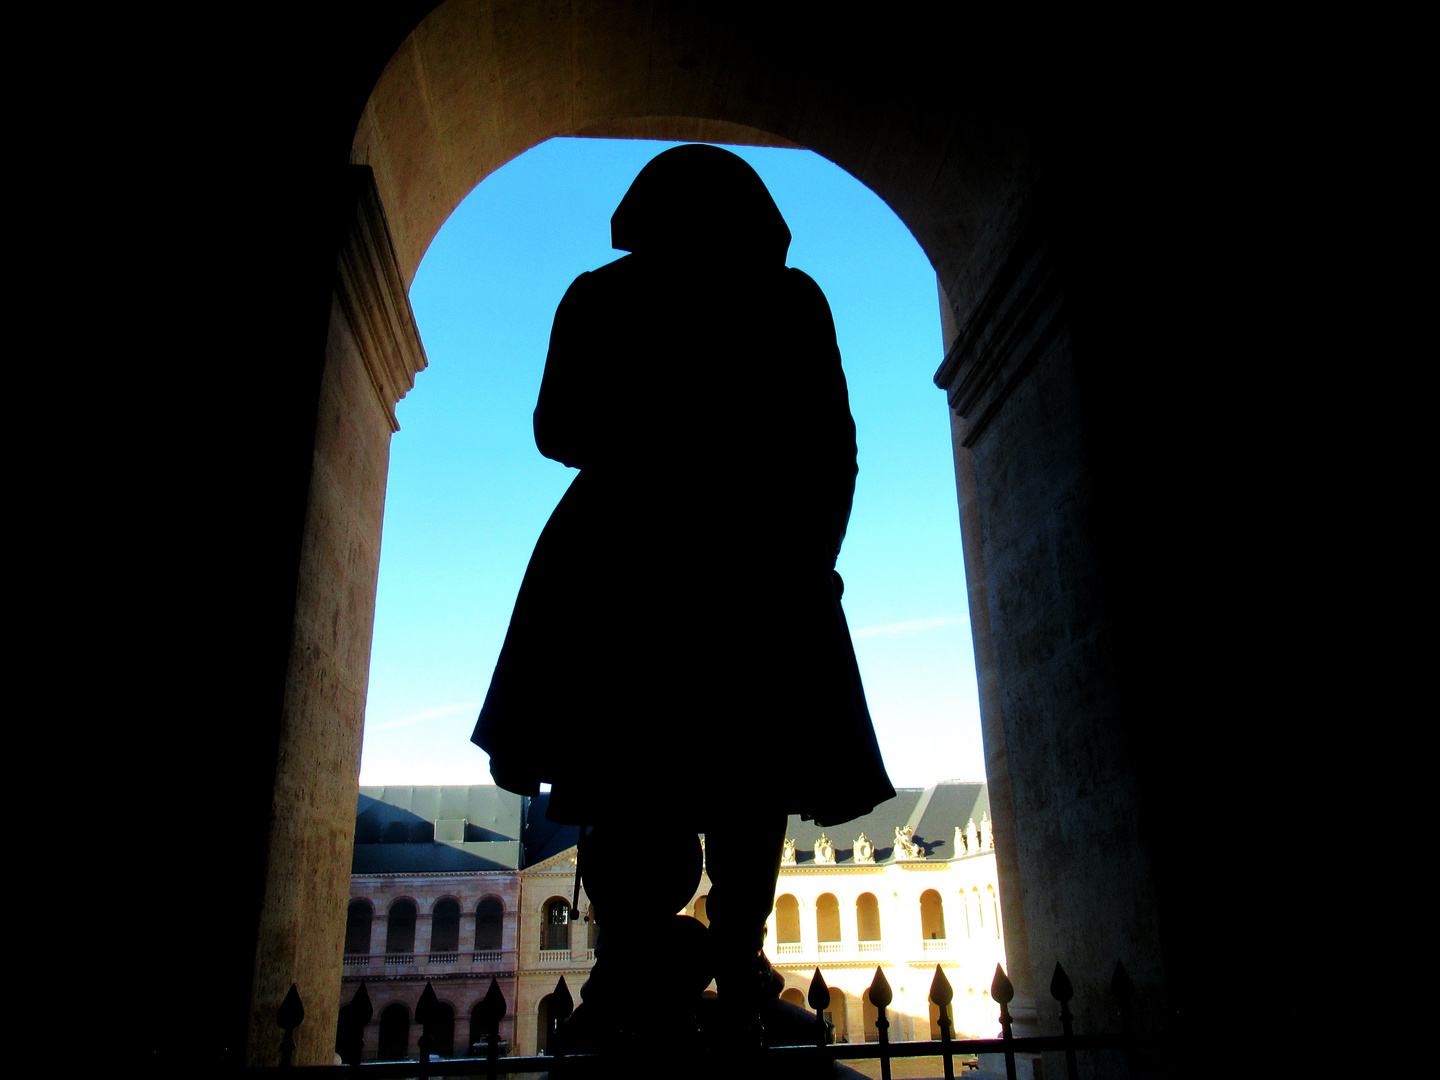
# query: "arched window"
[[965, 908], [556, 934], [489, 924], [827, 918], [700, 912], [592, 928], [835, 1017], [445, 930], [400, 928], [358, 917], [979, 908], [394, 1033], [932, 916], [867, 917], [994, 907], [793, 996], [787, 920]]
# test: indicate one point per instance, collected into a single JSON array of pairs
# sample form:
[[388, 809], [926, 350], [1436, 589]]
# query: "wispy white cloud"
[[914, 626], [428, 714]]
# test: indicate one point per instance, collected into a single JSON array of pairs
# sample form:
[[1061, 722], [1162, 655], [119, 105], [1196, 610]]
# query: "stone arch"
[[359, 918], [476, 83], [787, 920], [394, 1035], [837, 1017], [445, 925], [932, 915], [794, 996], [478, 1034], [869, 1016], [544, 1027], [400, 922], [490, 924], [867, 917], [827, 917], [555, 923], [442, 1030], [700, 909]]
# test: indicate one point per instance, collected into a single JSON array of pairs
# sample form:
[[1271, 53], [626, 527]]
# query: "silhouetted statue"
[[679, 623]]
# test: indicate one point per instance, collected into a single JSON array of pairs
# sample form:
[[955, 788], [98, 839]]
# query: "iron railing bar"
[[476, 1066]]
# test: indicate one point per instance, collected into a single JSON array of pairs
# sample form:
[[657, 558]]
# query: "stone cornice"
[[372, 299], [447, 976], [1006, 333], [425, 875]]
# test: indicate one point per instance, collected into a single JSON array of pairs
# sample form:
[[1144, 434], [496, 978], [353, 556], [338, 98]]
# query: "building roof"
[[441, 829], [934, 812], [456, 829]]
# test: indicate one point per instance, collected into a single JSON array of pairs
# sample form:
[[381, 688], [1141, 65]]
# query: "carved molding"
[[1018, 318], [372, 298]]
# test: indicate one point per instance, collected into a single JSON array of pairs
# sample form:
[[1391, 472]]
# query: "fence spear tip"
[[292, 1009], [1060, 987], [941, 992], [879, 992], [1001, 988], [1120, 984], [819, 995]]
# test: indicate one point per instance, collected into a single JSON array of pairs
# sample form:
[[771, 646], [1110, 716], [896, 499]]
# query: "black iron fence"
[[812, 1059]]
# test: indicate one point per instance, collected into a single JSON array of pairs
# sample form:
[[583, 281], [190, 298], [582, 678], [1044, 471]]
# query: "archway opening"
[[359, 916], [400, 929], [867, 917], [787, 920], [489, 925], [932, 916], [468, 493], [836, 1016], [555, 931], [827, 918], [394, 1033], [445, 928]]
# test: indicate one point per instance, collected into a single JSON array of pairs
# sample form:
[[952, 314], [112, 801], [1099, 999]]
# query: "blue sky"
[[468, 493]]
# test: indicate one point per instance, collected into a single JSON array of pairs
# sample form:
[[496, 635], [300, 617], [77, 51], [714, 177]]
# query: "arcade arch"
[[827, 918], [932, 916], [787, 920], [489, 924], [445, 926], [472, 86], [359, 916], [400, 927]]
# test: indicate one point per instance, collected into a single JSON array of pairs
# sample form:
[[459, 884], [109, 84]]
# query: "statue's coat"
[[679, 619]]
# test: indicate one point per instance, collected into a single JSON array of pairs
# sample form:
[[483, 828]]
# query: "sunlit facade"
[[458, 901]]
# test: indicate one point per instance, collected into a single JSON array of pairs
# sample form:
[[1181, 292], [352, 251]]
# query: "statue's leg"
[[743, 858], [637, 877]]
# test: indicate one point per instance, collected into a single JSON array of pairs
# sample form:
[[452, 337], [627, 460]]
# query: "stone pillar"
[[372, 354], [997, 764], [424, 926], [1074, 868]]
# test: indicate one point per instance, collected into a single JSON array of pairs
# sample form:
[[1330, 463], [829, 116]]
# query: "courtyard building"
[[457, 886]]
